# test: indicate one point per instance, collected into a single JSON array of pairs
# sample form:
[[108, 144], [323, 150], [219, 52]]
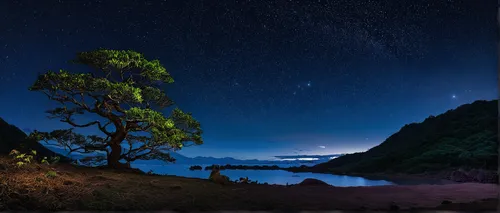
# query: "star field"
[[268, 78]]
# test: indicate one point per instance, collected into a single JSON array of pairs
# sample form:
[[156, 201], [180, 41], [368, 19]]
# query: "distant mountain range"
[[305, 157], [181, 159]]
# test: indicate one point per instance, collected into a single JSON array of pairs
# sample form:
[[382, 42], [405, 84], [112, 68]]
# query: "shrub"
[[51, 174]]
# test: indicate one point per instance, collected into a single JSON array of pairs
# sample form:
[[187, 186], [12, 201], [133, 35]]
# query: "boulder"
[[216, 177], [312, 181]]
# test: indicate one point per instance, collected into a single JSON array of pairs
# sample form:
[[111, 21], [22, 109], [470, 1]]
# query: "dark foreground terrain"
[[75, 188]]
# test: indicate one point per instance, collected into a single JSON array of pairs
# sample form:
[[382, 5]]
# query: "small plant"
[[45, 161], [51, 174], [55, 159], [51, 161], [22, 158], [14, 153], [25, 157], [20, 163], [245, 180]]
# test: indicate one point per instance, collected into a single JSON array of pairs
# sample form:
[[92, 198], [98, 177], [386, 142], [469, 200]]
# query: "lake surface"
[[270, 176]]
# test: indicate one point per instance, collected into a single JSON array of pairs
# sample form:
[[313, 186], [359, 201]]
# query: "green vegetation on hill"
[[466, 137]]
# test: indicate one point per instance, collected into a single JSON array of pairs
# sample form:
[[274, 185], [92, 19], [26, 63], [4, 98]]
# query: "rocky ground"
[[65, 187]]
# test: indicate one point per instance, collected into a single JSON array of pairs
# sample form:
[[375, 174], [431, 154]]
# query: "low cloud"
[[307, 156], [302, 150], [322, 147]]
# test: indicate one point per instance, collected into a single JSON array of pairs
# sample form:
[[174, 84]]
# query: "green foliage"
[[25, 158], [52, 160], [69, 82], [51, 174], [20, 163], [164, 128], [121, 60], [462, 138], [45, 161], [22, 158], [124, 90]]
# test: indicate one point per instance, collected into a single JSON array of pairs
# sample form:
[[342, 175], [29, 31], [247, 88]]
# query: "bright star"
[[453, 96]]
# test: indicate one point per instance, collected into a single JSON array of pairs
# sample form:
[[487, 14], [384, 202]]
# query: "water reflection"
[[270, 176]]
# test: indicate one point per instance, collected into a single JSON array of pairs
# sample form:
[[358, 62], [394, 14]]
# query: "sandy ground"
[[98, 189]]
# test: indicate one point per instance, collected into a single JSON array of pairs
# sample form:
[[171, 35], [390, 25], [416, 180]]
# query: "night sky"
[[267, 78]]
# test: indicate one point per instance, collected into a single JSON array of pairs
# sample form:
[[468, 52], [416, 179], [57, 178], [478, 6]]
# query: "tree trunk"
[[114, 156]]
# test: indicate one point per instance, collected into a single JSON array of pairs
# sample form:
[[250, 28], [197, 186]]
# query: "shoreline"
[[402, 179], [436, 178]]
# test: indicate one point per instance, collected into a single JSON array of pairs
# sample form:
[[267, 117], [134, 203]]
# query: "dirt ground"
[[32, 188]]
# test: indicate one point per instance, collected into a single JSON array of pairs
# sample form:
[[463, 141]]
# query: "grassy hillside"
[[12, 137], [465, 137]]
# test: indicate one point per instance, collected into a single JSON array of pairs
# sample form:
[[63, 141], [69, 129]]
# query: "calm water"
[[270, 176]]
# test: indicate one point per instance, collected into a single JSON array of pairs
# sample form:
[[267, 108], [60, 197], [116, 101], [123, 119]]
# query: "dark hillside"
[[465, 137], [12, 137]]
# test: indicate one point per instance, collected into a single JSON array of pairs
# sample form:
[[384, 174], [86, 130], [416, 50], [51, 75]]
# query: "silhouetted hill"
[[12, 137], [465, 138]]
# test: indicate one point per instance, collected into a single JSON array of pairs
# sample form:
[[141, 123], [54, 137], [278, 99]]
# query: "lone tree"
[[123, 92]]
